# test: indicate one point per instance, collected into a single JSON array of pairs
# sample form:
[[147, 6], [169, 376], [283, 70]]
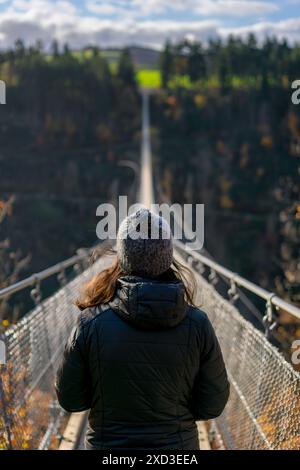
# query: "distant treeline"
[[269, 63], [63, 99]]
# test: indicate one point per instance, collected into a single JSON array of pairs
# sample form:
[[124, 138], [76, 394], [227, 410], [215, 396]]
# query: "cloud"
[[66, 22], [289, 29], [148, 33], [235, 8], [205, 8], [46, 20]]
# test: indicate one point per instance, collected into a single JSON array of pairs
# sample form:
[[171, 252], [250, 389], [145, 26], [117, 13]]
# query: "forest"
[[228, 136], [225, 133]]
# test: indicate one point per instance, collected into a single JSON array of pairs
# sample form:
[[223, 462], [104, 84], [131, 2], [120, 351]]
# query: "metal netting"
[[263, 411], [29, 413]]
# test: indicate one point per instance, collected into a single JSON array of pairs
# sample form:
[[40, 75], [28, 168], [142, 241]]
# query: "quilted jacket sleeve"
[[211, 387], [73, 385]]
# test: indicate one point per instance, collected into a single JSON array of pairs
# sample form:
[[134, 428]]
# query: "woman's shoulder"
[[89, 314], [197, 315], [202, 323]]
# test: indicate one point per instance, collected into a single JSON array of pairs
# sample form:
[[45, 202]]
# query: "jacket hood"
[[149, 304]]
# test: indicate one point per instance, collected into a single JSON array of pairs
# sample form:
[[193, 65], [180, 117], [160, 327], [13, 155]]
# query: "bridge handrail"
[[240, 281], [45, 274]]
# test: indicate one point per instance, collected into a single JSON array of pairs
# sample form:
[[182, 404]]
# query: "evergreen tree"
[[126, 72], [55, 48], [196, 66], [166, 62]]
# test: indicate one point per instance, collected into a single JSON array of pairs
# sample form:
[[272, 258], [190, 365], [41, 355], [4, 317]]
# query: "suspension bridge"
[[264, 407]]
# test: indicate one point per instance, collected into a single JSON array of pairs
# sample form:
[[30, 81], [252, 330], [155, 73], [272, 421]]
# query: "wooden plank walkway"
[[73, 438]]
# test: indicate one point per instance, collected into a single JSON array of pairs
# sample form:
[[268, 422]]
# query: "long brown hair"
[[102, 287]]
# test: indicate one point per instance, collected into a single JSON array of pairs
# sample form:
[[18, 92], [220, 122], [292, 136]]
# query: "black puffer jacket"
[[147, 365]]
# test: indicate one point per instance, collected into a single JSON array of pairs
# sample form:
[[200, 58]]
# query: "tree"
[[196, 66], [126, 72], [55, 48], [253, 56], [223, 70], [20, 50], [166, 63], [66, 50]]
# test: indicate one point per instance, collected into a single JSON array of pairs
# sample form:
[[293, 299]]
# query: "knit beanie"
[[145, 244]]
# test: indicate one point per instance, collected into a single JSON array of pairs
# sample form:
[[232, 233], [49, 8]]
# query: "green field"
[[148, 78]]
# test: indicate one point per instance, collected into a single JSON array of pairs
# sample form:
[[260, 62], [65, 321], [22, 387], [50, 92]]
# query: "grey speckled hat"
[[145, 244]]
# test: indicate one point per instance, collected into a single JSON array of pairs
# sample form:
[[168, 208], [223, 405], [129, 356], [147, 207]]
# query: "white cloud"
[[62, 20], [235, 8], [142, 8], [101, 8], [289, 29], [148, 33]]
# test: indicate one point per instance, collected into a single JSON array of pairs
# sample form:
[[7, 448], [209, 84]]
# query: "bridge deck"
[[73, 437]]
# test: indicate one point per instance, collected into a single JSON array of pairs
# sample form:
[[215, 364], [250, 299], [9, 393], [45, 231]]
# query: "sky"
[[115, 23]]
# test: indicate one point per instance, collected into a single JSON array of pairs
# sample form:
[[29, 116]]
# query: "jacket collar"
[[149, 304]]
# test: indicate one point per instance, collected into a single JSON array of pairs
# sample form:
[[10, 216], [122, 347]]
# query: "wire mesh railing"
[[264, 407], [263, 411], [30, 415]]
